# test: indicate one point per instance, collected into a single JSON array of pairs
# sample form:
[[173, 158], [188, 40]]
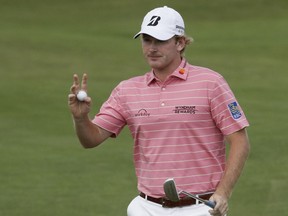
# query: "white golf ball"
[[81, 95]]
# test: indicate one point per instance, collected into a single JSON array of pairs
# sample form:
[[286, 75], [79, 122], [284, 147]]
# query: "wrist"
[[80, 119], [223, 192]]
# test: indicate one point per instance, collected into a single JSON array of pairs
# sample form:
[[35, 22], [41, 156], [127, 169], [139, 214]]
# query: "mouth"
[[152, 57]]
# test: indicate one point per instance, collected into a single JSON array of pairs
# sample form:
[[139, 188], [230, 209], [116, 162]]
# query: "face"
[[161, 55]]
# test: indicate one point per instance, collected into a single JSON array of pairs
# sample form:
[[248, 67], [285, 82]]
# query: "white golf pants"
[[143, 207]]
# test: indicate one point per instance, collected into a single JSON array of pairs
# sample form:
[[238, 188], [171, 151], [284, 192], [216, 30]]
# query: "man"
[[179, 116]]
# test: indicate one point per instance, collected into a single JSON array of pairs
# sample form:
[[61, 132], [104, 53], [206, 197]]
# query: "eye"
[[146, 39], [161, 41]]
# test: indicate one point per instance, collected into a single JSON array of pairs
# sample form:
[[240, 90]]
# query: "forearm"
[[239, 151], [89, 134]]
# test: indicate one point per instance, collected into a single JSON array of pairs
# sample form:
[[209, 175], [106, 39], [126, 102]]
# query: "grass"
[[44, 170]]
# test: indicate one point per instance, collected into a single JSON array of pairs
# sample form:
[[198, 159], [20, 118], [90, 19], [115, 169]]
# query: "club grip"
[[210, 204]]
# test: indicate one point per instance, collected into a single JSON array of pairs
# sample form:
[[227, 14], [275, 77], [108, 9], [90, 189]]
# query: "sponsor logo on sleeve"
[[234, 110]]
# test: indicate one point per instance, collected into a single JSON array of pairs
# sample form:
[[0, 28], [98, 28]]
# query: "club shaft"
[[206, 202], [192, 196]]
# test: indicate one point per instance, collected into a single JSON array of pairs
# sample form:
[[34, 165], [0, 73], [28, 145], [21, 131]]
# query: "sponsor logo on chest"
[[185, 110]]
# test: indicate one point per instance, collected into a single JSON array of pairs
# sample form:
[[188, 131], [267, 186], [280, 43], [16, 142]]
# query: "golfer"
[[181, 117]]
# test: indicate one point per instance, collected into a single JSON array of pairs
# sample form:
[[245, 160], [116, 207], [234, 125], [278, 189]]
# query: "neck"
[[163, 73]]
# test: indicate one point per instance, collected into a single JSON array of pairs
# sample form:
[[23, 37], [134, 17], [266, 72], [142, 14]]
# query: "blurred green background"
[[43, 169]]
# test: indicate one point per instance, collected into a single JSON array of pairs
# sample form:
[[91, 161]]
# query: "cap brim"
[[157, 35], [137, 35]]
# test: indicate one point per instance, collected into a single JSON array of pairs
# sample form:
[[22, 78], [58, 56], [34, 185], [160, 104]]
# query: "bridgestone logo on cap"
[[154, 21]]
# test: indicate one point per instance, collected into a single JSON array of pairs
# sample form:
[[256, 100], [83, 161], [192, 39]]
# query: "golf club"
[[172, 194]]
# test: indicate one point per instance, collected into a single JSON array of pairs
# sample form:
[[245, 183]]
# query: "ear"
[[180, 43]]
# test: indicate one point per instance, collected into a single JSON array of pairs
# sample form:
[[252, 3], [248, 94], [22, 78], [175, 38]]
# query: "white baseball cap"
[[162, 23]]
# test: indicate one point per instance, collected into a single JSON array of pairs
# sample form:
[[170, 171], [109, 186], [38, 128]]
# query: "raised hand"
[[79, 109]]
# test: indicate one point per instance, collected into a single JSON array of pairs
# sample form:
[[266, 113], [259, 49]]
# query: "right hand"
[[79, 109]]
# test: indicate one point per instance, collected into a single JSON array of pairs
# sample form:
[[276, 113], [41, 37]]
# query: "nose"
[[153, 46]]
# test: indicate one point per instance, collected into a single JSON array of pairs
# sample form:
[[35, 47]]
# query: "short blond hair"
[[188, 40]]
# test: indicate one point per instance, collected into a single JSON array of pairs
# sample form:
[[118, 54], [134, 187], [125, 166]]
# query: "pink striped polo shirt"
[[178, 126]]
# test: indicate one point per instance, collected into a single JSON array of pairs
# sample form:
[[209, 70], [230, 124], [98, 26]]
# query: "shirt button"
[[162, 104], [163, 89]]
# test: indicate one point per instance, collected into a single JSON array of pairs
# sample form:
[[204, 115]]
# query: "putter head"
[[170, 190]]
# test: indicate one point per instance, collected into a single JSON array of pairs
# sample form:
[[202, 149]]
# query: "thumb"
[[71, 98], [213, 199], [88, 100]]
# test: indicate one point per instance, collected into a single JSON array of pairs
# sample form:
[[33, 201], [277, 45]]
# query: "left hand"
[[221, 207]]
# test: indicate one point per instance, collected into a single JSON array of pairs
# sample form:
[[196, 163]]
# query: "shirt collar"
[[181, 72]]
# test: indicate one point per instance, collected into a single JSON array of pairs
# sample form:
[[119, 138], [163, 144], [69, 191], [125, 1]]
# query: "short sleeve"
[[110, 115], [225, 109]]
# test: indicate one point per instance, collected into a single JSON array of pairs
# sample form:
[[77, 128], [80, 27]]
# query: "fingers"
[[76, 85], [84, 82], [76, 79], [71, 98], [218, 211], [221, 207]]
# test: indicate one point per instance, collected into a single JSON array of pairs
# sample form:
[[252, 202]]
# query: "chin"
[[156, 64]]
